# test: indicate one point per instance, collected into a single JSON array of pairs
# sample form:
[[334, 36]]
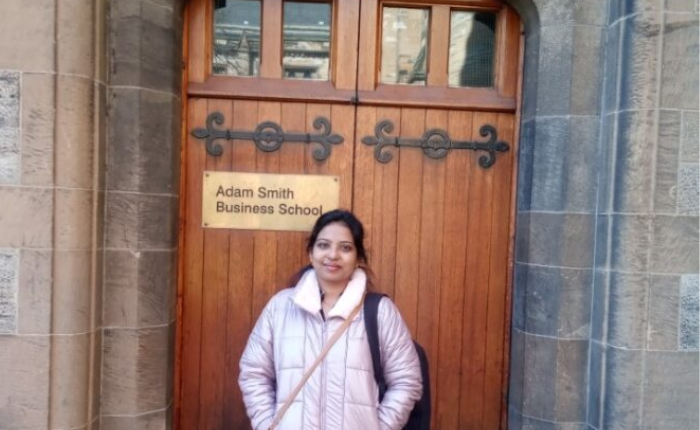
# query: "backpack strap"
[[371, 309]]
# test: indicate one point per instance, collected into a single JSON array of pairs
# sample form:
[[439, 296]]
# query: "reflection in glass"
[[472, 49], [236, 37], [404, 45], [307, 40]]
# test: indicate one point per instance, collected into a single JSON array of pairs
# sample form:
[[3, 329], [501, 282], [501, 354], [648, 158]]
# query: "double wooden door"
[[438, 222]]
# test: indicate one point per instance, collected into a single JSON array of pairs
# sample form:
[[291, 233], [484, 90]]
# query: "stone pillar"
[[556, 213], [644, 349], [52, 91], [143, 164]]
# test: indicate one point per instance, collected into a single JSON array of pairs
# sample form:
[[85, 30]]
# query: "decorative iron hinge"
[[435, 143], [268, 136]]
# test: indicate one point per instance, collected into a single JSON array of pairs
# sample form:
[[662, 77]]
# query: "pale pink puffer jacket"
[[341, 394]]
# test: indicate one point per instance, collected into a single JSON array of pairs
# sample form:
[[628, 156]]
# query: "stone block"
[[689, 330], [137, 288], [24, 372], [564, 176], [571, 382], [675, 247], [517, 376], [134, 371], [75, 132], [639, 61], [75, 38], [146, 141], [599, 313], [680, 67], [26, 221], [555, 68], [553, 239], [602, 250], [663, 312], [96, 375], [539, 358], [681, 5], [70, 358], [141, 222], [554, 12], [9, 280], [690, 141], [74, 218], [634, 163], [611, 66], [36, 280], [630, 242], [72, 292], [590, 13], [623, 390], [38, 115], [27, 27], [9, 112], [144, 41], [515, 419], [525, 165], [606, 160], [595, 384], [520, 286], [670, 391], [631, 7], [558, 301], [689, 188], [530, 76], [667, 162], [587, 67], [627, 314], [159, 419], [615, 11], [10, 160]]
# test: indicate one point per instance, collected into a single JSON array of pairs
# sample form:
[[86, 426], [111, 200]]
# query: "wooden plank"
[[483, 99], [340, 161], [430, 244], [385, 207], [408, 220], [454, 254], [513, 67], [477, 276], [439, 40], [265, 253], [291, 245], [364, 189], [269, 89], [345, 61], [191, 302], [369, 31], [240, 291], [197, 48], [214, 295], [498, 285], [271, 48]]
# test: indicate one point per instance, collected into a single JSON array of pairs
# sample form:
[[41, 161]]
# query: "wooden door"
[[439, 224]]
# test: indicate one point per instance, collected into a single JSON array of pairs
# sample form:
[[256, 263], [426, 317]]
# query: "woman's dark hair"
[[346, 218]]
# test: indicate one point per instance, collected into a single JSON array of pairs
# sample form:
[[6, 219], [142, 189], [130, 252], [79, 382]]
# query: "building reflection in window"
[[472, 49], [236, 38], [307, 40], [404, 45]]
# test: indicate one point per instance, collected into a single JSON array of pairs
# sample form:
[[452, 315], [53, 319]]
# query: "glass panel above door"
[[404, 45], [472, 48], [236, 38], [307, 40]]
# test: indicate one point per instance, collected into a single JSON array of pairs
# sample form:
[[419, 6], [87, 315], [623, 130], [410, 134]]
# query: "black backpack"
[[420, 415]]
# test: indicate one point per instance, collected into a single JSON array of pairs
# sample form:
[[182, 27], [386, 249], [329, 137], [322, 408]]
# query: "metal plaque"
[[261, 201]]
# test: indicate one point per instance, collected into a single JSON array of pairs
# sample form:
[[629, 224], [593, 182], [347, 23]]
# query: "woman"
[[292, 329]]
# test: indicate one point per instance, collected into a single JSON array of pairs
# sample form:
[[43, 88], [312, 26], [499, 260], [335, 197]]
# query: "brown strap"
[[313, 367]]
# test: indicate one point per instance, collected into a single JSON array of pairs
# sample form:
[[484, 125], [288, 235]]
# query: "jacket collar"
[[307, 294]]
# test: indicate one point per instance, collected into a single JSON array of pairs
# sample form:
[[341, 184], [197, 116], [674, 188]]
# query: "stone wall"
[[52, 129], [605, 322]]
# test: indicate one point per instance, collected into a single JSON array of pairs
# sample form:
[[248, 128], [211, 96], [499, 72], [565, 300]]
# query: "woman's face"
[[334, 256]]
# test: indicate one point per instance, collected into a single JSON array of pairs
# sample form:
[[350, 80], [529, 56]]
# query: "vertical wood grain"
[[439, 43], [369, 42], [346, 18], [271, 42]]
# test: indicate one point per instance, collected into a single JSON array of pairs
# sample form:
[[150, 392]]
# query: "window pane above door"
[[404, 45], [472, 48], [236, 38], [307, 40]]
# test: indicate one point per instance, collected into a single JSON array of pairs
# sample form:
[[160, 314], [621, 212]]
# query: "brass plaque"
[[262, 201]]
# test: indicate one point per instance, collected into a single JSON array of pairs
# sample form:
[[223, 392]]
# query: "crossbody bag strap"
[[313, 367], [372, 328]]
